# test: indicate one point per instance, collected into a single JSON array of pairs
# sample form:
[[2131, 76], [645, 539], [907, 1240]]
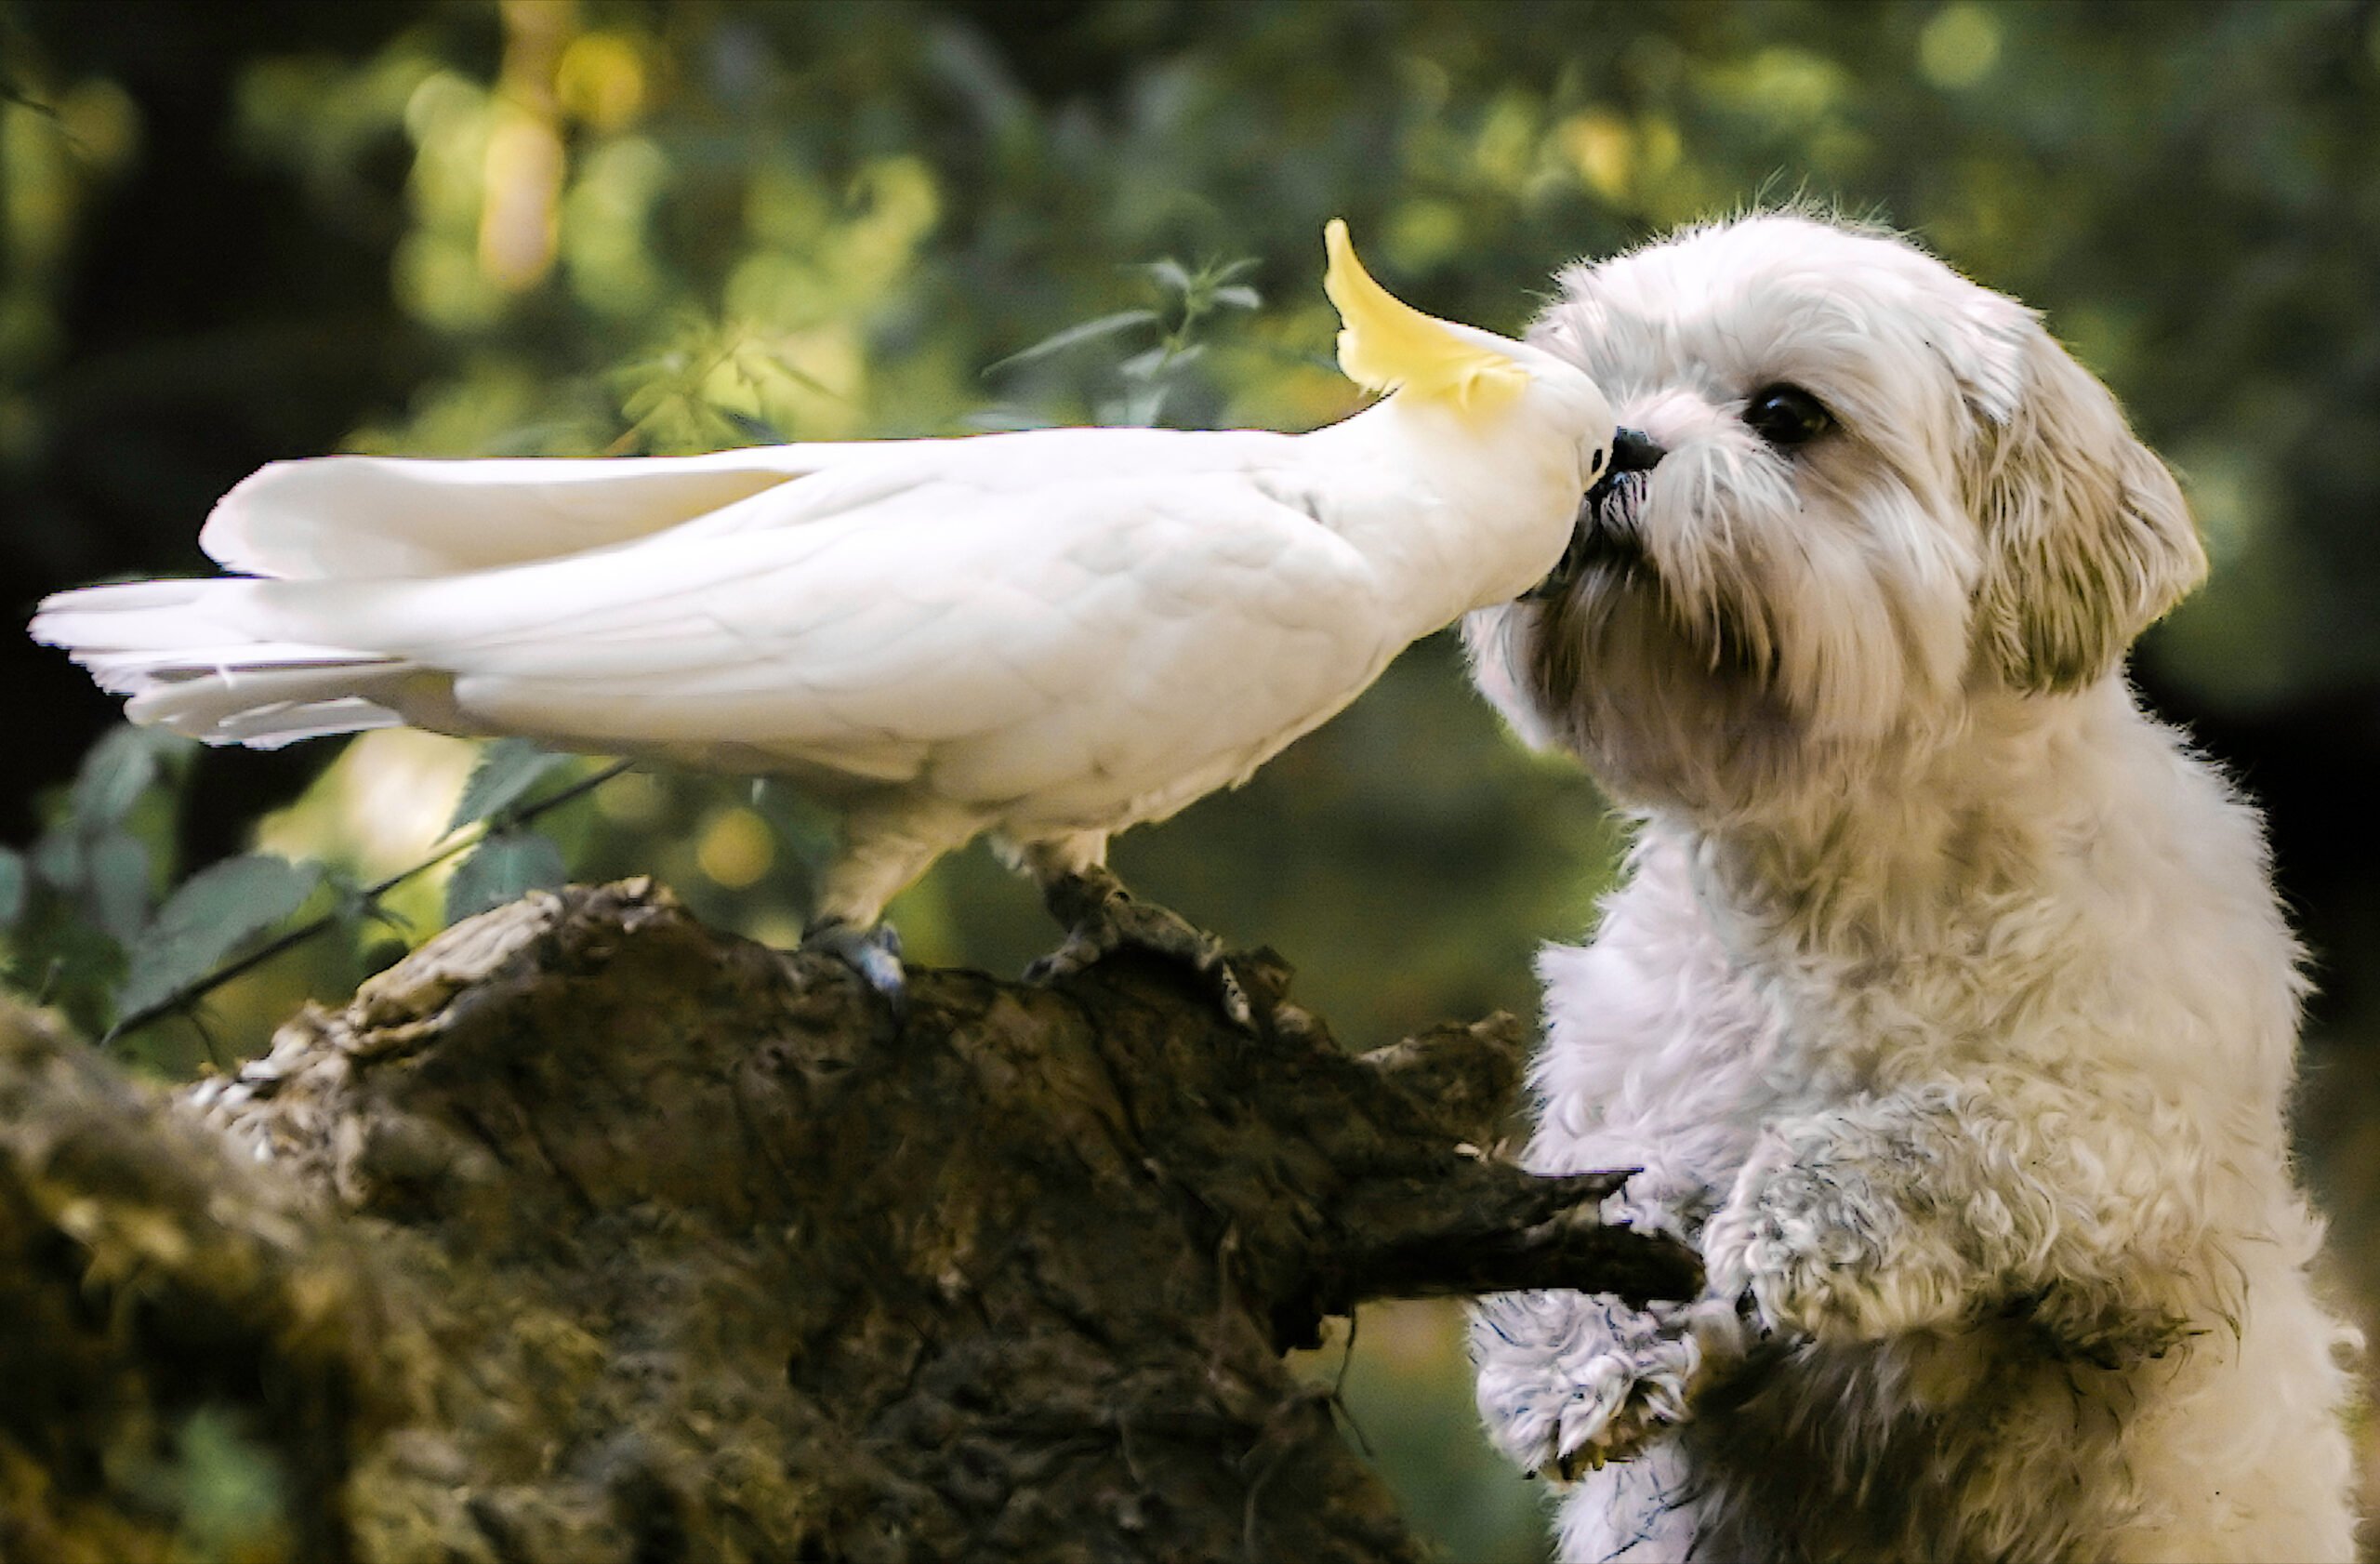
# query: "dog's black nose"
[[1634, 451]]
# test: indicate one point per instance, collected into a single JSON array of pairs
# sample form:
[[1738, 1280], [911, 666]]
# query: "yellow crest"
[[1386, 345]]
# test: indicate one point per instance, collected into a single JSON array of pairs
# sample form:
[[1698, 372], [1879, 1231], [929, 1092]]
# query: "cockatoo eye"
[[1787, 417]]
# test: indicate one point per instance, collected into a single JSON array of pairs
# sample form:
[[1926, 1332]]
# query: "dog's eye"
[[1786, 416]]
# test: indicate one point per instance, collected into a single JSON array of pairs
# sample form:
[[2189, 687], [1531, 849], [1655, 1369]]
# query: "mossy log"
[[587, 1234]]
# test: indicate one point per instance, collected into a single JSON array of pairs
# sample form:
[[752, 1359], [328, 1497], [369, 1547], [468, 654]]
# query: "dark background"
[[237, 233]]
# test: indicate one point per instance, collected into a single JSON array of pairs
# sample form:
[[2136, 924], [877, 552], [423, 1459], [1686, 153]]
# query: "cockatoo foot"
[[874, 953], [1103, 918]]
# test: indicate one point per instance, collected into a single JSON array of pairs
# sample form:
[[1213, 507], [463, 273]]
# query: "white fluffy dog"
[[1946, 1006]]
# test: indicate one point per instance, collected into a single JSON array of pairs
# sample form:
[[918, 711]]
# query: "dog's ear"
[[2087, 537]]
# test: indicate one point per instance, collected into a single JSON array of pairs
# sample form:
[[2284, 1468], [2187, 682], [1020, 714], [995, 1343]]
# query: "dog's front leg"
[[1569, 1381], [1932, 1205]]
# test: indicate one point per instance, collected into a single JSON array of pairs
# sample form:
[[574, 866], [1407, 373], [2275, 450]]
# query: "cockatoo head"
[[1491, 386], [1889, 506]]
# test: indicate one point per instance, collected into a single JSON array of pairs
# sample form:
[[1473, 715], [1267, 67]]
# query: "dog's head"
[[1884, 490]]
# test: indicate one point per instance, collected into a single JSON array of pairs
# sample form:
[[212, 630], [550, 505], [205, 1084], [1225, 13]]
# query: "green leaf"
[[1074, 336], [60, 861], [118, 866], [507, 768], [62, 961], [503, 869], [643, 404], [1237, 297], [12, 886], [352, 908], [233, 1489], [210, 915], [754, 364], [1171, 275], [808, 829], [757, 430], [115, 773], [1138, 410], [1148, 365], [1002, 420]]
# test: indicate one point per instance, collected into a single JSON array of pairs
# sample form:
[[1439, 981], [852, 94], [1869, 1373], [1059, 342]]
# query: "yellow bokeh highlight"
[[781, 930], [50, 162], [380, 807], [438, 280], [438, 275], [1503, 151], [634, 798], [101, 123], [1659, 148], [736, 848], [600, 81], [606, 227], [1603, 149], [1959, 46], [1421, 234], [1791, 88], [521, 210]]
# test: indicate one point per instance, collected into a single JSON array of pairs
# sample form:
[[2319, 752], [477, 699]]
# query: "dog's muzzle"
[[1593, 538]]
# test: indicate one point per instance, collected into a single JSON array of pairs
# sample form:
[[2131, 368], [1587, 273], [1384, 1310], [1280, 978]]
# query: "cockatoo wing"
[[1102, 632], [352, 517], [1010, 645], [218, 658], [384, 517]]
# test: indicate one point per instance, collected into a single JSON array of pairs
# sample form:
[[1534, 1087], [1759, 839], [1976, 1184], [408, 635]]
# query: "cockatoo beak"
[[1631, 452]]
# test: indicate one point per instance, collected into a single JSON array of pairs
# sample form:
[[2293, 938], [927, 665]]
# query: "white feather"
[[377, 516]]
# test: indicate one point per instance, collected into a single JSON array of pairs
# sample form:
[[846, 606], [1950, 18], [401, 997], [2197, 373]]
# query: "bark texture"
[[587, 1234]]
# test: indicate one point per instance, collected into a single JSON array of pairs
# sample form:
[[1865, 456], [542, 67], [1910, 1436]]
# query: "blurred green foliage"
[[615, 226]]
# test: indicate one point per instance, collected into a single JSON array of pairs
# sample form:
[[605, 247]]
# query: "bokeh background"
[[235, 233]]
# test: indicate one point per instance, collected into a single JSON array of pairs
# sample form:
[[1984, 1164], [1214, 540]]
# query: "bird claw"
[[1103, 918], [874, 954]]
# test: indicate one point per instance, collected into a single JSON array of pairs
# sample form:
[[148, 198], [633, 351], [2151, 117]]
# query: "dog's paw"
[[1605, 1409], [1812, 1251], [1783, 1246], [1602, 1391], [1631, 1402]]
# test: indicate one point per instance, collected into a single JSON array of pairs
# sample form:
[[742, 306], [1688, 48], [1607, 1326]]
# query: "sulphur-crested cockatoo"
[[1049, 635]]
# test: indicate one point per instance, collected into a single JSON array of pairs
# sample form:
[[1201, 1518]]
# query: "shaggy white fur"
[[1946, 1005]]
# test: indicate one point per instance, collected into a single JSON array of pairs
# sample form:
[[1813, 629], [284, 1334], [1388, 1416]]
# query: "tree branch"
[[585, 1233]]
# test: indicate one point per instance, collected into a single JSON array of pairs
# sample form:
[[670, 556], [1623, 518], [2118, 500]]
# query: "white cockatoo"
[[1049, 635]]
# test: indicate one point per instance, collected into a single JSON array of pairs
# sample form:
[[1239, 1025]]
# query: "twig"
[[1338, 1388], [502, 821], [206, 1037]]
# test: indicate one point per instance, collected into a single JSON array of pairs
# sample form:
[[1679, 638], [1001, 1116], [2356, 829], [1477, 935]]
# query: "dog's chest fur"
[[2090, 906], [2095, 900]]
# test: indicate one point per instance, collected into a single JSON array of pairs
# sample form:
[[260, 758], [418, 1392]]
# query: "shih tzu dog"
[[1946, 1005]]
